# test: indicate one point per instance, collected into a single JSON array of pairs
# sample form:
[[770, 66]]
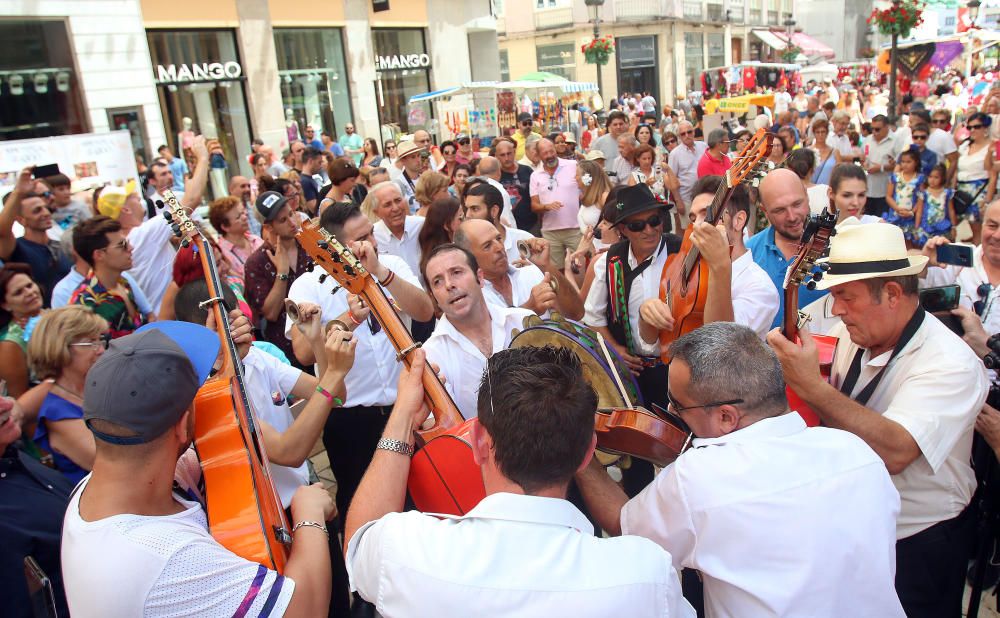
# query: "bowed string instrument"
[[244, 510]]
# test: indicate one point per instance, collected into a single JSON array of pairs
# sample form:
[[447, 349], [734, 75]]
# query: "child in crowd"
[[935, 216], [904, 195]]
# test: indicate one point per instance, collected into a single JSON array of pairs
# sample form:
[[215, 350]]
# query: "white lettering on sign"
[[405, 61], [203, 72]]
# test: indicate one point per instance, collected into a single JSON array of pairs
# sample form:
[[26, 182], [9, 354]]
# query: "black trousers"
[[350, 436], [931, 567], [340, 597]]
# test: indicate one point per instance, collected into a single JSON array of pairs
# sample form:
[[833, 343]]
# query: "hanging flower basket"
[[867, 52], [599, 50], [899, 19], [789, 54]]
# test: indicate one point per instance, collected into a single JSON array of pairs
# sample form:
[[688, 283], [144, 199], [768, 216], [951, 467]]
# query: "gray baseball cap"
[[147, 380]]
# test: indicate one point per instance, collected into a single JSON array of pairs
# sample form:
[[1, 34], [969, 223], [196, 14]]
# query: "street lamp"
[[789, 25], [594, 10], [893, 52]]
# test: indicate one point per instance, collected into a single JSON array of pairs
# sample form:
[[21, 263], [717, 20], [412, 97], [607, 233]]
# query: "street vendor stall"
[[746, 77], [739, 105]]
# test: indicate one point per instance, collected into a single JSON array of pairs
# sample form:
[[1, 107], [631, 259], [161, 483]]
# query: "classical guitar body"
[[686, 296], [444, 477], [237, 518], [826, 346]]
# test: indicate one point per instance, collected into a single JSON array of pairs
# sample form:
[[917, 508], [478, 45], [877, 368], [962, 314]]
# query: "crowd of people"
[[105, 339]]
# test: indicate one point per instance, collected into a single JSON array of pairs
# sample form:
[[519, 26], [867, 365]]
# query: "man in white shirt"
[[397, 232], [882, 151], [471, 329], [489, 170], [483, 201], [757, 505], [617, 126], [349, 436], [684, 161], [941, 141], [911, 389], [529, 287], [738, 289], [524, 549], [781, 101], [127, 531], [838, 140]]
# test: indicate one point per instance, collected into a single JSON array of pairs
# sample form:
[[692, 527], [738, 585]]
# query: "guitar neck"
[[790, 319], [437, 398]]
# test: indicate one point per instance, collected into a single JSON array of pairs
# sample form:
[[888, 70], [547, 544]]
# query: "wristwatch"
[[283, 277]]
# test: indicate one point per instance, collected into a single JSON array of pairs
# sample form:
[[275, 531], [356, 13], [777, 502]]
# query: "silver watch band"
[[396, 446]]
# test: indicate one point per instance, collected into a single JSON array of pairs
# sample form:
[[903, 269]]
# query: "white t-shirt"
[[942, 143], [131, 565], [755, 299], [781, 102], [269, 382], [152, 258]]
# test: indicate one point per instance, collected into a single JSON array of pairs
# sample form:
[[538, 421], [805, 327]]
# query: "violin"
[[640, 433]]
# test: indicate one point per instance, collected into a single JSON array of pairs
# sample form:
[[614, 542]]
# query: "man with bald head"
[[423, 139], [239, 187], [555, 197], [489, 169], [531, 286], [684, 161], [515, 178], [785, 204], [623, 165]]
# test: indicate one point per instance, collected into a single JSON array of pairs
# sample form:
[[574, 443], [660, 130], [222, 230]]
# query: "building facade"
[[662, 45], [236, 70]]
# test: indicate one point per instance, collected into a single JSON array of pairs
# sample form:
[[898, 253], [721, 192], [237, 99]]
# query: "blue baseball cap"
[[147, 380]]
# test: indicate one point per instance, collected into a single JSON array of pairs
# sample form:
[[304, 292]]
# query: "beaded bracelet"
[[334, 401], [388, 279]]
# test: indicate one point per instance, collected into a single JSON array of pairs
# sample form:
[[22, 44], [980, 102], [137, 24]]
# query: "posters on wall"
[[89, 159]]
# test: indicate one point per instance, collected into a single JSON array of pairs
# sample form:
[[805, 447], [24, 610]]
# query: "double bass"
[[684, 280], [244, 510]]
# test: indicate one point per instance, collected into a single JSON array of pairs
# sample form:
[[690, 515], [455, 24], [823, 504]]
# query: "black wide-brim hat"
[[632, 201]]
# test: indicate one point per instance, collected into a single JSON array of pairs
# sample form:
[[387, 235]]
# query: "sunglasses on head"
[[638, 226]]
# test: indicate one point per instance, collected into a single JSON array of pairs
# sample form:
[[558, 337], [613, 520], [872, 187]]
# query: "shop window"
[[694, 59], [402, 70], [557, 59], [39, 87], [199, 81], [504, 65], [716, 49], [313, 79]]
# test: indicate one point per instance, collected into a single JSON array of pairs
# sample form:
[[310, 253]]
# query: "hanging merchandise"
[[705, 86], [749, 78], [526, 105]]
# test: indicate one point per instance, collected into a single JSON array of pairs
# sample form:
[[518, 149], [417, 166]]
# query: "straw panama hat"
[[404, 149], [861, 252]]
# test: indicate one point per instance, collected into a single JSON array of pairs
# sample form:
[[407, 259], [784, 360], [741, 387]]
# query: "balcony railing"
[[693, 9], [634, 10], [553, 18]]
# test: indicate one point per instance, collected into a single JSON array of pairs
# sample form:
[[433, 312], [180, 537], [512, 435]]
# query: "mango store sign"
[[402, 61], [199, 72]]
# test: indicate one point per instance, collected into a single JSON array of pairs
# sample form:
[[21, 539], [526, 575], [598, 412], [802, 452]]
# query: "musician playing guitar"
[[627, 275], [523, 550], [132, 546], [738, 289]]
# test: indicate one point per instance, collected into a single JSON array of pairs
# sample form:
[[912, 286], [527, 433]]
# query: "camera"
[[992, 360]]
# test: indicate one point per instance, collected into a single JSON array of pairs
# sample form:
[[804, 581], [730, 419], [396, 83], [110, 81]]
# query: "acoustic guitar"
[[444, 478], [243, 508], [684, 280], [815, 242]]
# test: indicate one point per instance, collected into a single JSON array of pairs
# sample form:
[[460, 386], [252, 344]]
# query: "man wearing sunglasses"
[[684, 161], [524, 130], [757, 506], [928, 158]]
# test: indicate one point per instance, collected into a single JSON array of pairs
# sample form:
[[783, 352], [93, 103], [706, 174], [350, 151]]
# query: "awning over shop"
[[808, 45], [739, 105], [465, 88]]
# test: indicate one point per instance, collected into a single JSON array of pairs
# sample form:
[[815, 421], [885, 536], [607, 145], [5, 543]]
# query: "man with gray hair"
[[715, 162], [623, 165], [530, 157], [684, 161], [489, 170], [757, 505]]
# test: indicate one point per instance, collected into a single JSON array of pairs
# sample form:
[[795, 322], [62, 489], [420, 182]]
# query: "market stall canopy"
[[465, 88], [544, 79], [819, 72], [739, 105], [809, 46]]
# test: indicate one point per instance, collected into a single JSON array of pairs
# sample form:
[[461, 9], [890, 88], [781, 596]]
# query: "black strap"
[[855, 371], [874, 266]]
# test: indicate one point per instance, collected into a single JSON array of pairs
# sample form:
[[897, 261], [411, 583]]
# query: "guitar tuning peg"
[[323, 277], [176, 228], [169, 216], [817, 276], [185, 243], [322, 244], [311, 266], [825, 266], [811, 285], [350, 271]]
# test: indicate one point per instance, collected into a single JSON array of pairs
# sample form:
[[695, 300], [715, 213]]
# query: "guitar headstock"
[[815, 240], [180, 222], [751, 162], [333, 257]]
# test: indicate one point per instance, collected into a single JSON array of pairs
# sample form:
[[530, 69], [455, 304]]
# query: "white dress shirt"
[[755, 300], [521, 281], [372, 379], [269, 382], [880, 153], [510, 242], [407, 247], [512, 555], [934, 388], [507, 213], [781, 520], [152, 258], [461, 362], [646, 285], [969, 279]]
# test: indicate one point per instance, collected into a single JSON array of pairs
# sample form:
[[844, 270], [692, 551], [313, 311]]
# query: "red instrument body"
[[815, 240], [684, 280], [244, 510], [640, 433], [444, 476]]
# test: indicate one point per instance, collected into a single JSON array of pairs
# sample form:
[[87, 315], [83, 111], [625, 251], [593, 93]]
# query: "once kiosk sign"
[[198, 72], [402, 61]]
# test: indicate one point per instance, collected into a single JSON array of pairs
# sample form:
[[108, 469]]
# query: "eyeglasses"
[[685, 133], [983, 292], [463, 142], [976, 126], [671, 141], [638, 226], [939, 121], [526, 123], [101, 343], [919, 136], [672, 404]]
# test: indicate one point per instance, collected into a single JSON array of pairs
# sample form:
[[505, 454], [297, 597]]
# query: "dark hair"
[[787, 137], [912, 154], [342, 169], [432, 234], [462, 166], [539, 410], [7, 272], [187, 303], [801, 161], [371, 142], [162, 147], [92, 235], [311, 153], [880, 118], [846, 171], [270, 183], [470, 259], [56, 180], [941, 169], [909, 283], [257, 157], [336, 215], [615, 115], [447, 143], [491, 196], [739, 199], [923, 115], [652, 134], [921, 127]]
